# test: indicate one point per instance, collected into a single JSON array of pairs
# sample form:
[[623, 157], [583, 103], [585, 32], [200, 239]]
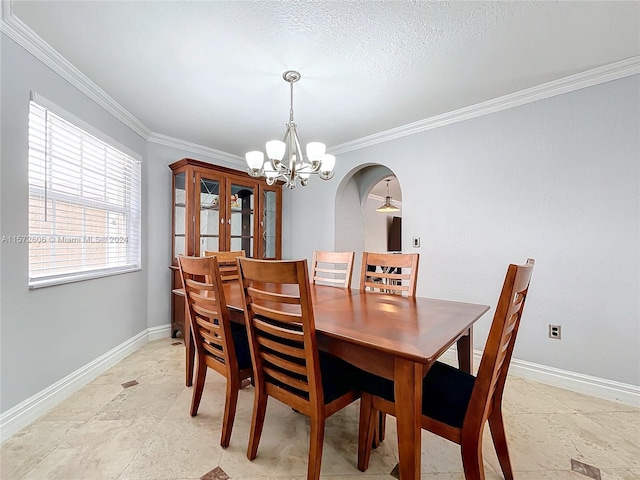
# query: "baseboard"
[[33, 407], [156, 333], [576, 382]]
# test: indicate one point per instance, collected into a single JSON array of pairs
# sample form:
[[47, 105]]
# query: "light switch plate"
[[416, 242]]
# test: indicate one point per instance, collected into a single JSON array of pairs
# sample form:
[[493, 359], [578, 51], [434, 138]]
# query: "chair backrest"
[[227, 262], [208, 313], [332, 268], [390, 272], [282, 335], [492, 373]]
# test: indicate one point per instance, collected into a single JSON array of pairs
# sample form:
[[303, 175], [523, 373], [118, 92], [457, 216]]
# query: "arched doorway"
[[355, 206]]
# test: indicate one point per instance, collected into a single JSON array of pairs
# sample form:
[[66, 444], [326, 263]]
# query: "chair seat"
[[241, 343], [446, 391], [338, 377]]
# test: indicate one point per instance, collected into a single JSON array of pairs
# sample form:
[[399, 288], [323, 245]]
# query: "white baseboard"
[[33, 407], [156, 333], [576, 382]]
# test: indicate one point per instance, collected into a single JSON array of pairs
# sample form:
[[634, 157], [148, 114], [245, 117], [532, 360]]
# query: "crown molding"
[[606, 73], [19, 32], [197, 149]]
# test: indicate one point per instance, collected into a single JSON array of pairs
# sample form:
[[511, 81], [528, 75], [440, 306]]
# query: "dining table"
[[390, 335]]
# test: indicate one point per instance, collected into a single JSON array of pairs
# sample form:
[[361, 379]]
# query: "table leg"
[[465, 351], [408, 393]]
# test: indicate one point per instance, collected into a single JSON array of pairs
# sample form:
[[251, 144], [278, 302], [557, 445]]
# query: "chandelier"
[[296, 166], [387, 206]]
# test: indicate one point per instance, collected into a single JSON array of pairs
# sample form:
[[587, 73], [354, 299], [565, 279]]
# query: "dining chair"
[[288, 365], [227, 262], [390, 272], [217, 345], [332, 268], [455, 404]]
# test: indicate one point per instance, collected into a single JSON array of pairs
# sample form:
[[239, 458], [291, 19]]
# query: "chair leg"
[[201, 374], [257, 422], [366, 431], [382, 426], [472, 459], [230, 404], [316, 440], [496, 425]]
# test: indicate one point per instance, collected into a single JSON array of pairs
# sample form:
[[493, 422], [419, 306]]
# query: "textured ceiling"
[[209, 72]]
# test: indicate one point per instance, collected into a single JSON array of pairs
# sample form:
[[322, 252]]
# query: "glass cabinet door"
[[209, 225], [268, 224], [241, 218], [179, 214]]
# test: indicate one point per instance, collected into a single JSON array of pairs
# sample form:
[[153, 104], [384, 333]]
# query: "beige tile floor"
[[105, 431]]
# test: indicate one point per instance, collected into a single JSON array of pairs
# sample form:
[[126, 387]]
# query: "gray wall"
[[556, 180], [48, 333], [159, 157]]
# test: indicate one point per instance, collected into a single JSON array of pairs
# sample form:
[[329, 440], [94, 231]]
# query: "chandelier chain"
[[291, 107]]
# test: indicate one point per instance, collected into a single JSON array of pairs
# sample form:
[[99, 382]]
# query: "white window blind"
[[84, 203]]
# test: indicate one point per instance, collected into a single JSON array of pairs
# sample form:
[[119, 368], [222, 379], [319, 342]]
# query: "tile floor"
[[144, 431]]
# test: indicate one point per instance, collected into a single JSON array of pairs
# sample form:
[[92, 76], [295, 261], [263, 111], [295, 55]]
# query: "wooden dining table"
[[392, 336]]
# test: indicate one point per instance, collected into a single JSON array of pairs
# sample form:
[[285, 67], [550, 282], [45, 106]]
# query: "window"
[[84, 201]]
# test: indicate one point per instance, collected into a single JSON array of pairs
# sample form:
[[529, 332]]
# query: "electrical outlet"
[[416, 242], [555, 331]]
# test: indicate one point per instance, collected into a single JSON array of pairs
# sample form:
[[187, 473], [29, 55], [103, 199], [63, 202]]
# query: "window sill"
[[79, 277]]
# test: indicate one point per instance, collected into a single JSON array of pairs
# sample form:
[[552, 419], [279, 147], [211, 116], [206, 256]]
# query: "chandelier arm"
[[294, 146], [300, 156]]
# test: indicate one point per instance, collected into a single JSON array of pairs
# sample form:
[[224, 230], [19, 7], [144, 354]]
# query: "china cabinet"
[[220, 209]]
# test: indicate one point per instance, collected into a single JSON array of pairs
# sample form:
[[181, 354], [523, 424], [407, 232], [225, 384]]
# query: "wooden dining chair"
[[218, 346], [390, 272], [332, 268], [227, 262], [455, 404], [288, 365]]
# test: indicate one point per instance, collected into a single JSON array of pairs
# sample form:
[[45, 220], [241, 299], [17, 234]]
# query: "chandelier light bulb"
[[255, 160], [275, 149], [315, 151], [328, 163], [269, 172]]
